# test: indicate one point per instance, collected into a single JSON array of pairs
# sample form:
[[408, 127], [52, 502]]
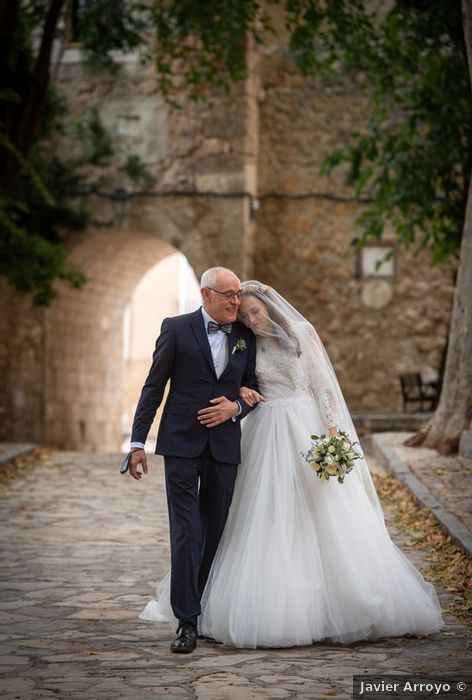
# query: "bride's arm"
[[328, 406], [320, 384]]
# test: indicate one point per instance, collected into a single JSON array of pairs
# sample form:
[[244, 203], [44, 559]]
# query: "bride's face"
[[253, 313]]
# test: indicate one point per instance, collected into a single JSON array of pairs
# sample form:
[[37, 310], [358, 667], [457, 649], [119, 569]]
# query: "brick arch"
[[84, 340]]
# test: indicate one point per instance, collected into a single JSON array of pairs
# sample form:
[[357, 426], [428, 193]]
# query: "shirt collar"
[[207, 318]]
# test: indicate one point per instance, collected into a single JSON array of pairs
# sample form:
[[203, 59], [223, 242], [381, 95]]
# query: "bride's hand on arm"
[[250, 396]]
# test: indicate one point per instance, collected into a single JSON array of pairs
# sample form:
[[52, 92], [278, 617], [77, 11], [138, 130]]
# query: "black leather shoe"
[[186, 639], [204, 638]]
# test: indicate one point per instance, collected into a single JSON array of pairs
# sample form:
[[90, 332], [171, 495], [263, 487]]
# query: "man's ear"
[[205, 295]]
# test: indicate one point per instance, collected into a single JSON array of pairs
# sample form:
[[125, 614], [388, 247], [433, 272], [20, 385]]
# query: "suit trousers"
[[199, 493]]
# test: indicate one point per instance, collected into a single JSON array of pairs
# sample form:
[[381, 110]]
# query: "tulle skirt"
[[300, 559]]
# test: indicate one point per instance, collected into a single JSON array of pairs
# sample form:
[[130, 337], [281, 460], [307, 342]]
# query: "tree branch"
[[33, 108]]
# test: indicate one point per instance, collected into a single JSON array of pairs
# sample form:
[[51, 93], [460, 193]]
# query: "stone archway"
[[84, 340], [168, 288]]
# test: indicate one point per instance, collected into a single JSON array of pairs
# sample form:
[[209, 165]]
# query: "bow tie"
[[215, 327]]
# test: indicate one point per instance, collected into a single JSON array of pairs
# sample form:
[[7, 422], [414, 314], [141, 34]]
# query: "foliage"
[[37, 188], [412, 159], [32, 250], [202, 45], [414, 156], [448, 565], [107, 26], [21, 467]]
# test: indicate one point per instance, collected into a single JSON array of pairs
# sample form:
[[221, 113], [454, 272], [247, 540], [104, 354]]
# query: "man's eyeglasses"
[[228, 295]]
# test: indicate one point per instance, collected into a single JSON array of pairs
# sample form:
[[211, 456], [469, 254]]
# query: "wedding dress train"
[[301, 559]]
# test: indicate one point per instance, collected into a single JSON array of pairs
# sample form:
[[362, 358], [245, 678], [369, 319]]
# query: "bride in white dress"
[[300, 559]]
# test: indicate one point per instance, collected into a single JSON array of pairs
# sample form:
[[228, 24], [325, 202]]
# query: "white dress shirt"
[[218, 345], [218, 342]]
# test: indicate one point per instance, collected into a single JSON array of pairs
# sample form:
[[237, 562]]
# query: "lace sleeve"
[[325, 399], [328, 407], [319, 385]]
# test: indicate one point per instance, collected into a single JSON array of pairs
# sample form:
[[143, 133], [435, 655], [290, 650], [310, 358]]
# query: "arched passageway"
[[179, 292], [84, 340]]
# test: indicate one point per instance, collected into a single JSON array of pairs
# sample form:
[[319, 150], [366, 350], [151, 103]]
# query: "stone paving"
[[447, 478], [82, 548]]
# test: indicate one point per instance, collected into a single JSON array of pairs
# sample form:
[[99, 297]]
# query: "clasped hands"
[[223, 409]]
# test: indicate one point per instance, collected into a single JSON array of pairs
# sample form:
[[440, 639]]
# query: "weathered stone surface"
[[106, 559], [447, 479], [465, 446], [63, 368]]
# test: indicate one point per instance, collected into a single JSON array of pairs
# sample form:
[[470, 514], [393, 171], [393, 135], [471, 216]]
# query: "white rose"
[[332, 449]]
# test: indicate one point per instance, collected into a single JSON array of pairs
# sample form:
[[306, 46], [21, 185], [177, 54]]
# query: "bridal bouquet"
[[332, 456]]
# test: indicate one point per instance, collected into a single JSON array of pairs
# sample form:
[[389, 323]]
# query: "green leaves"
[[135, 169], [201, 46], [106, 26], [33, 219], [95, 139], [410, 163], [31, 263], [414, 159]]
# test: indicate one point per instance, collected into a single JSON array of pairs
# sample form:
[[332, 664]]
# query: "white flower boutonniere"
[[239, 346]]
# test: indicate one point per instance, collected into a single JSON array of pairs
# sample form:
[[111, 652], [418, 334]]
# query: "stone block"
[[465, 445]]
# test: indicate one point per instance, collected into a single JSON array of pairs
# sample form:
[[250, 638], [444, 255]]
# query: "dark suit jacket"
[[183, 355]]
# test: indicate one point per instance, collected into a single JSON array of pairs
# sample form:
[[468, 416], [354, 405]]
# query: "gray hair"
[[209, 277]]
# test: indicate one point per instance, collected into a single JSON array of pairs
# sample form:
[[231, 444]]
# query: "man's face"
[[222, 304]]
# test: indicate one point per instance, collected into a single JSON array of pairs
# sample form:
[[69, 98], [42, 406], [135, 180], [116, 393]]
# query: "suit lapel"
[[231, 343], [201, 336]]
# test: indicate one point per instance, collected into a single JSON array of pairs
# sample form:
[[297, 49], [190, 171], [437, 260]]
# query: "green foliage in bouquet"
[[332, 456]]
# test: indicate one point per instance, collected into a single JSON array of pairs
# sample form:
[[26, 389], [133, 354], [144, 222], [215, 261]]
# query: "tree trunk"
[[36, 100], [454, 412], [21, 120], [9, 13]]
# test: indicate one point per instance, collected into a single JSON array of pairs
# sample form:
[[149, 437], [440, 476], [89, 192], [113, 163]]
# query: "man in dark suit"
[[207, 355]]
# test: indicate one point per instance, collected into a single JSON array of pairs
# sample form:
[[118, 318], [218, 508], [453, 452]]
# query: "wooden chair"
[[416, 391]]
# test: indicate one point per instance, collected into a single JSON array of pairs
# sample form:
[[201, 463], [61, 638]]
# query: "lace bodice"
[[281, 373]]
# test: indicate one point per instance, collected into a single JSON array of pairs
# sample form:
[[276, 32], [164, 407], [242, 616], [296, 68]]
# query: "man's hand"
[[138, 457], [250, 396], [223, 410]]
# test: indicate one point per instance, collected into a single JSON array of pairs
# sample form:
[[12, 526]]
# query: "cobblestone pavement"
[[449, 479], [82, 549]]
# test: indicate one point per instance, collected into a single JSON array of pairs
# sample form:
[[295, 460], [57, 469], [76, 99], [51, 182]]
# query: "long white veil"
[[300, 338]]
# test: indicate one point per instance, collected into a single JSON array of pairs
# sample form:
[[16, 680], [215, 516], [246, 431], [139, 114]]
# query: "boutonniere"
[[239, 346]]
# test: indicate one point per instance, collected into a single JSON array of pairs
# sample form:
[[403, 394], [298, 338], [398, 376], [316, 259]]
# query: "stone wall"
[[373, 329], [63, 367], [197, 156], [22, 367], [305, 254]]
